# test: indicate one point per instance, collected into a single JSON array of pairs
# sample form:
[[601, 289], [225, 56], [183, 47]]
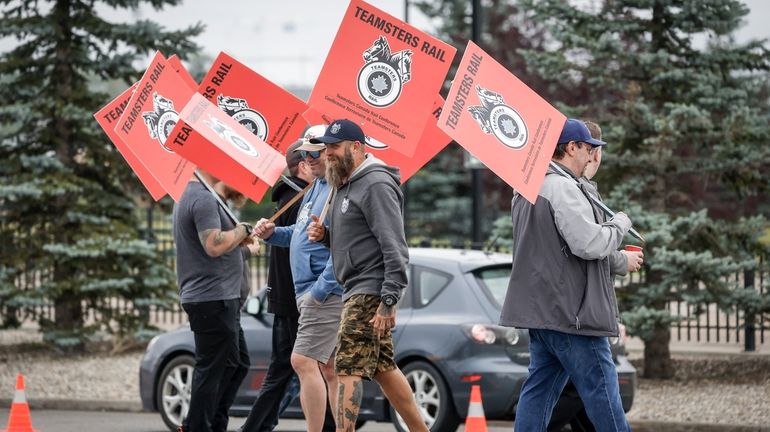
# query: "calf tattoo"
[[346, 417]]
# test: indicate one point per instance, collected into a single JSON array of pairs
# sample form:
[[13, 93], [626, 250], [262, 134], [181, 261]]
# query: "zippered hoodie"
[[311, 265], [280, 297], [561, 272], [366, 231]]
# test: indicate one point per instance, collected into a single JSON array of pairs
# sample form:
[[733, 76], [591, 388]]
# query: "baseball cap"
[[576, 130], [341, 130], [293, 158], [311, 132]]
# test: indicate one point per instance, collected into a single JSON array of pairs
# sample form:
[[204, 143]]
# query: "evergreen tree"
[[68, 228], [440, 206], [685, 110]]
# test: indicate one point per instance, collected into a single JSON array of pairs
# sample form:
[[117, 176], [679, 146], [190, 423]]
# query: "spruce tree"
[[440, 195], [685, 111], [68, 221]]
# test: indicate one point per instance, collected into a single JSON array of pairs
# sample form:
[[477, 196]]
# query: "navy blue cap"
[[576, 130], [341, 130]]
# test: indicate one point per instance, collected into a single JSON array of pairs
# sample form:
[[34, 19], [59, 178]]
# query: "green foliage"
[[689, 146], [68, 229], [440, 195]]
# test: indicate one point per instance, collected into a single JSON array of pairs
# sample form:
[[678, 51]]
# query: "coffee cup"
[[633, 248]]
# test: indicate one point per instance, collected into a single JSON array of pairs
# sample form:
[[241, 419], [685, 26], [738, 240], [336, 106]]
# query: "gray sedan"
[[446, 340]]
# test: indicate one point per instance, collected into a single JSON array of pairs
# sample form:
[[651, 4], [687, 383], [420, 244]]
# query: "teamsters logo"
[[161, 120], [495, 117], [384, 74], [239, 110], [226, 133]]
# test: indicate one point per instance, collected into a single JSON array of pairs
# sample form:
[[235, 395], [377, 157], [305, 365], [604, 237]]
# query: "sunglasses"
[[313, 154]]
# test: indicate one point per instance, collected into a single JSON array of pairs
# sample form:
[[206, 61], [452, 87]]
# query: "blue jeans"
[[556, 357]]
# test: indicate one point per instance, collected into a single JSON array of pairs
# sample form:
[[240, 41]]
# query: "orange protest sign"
[[501, 121], [268, 111], [177, 65], [379, 72], [107, 117], [432, 141], [217, 143], [315, 117], [147, 121]]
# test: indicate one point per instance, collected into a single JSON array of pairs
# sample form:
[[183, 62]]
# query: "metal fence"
[[709, 324]]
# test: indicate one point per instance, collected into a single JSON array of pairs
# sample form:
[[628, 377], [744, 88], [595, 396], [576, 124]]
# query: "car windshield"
[[494, 282]]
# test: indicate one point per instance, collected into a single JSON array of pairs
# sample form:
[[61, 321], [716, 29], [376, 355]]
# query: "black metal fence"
[[709, 324]]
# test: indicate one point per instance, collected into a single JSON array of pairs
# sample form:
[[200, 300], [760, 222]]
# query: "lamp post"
[[477, 185]]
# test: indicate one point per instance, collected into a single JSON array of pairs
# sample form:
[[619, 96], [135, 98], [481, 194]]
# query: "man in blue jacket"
[[319, 296]]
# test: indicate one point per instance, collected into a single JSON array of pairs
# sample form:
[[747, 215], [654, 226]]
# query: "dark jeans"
[[556, 357], [280, 386], [215, 326], [569, 410]]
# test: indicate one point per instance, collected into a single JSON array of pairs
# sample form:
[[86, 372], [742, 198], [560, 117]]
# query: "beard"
[[338, 170], [236, 198]]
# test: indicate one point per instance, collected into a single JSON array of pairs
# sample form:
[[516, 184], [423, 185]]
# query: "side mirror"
[[254, 306]]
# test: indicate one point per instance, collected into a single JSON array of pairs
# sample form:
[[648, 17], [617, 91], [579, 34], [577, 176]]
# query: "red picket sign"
[[177, 65], [148, 119], [501, 121], [106, 117], [432, 141], [380, 72], [220, 145], [271, 113]]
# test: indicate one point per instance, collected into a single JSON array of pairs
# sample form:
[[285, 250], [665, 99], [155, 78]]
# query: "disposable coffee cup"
[[633, 248]]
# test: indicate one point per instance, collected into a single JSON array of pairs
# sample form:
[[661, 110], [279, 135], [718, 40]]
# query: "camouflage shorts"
[[360, 352]]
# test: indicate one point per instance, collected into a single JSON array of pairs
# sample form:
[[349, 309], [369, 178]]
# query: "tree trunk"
[[68, 314], [657, 357]]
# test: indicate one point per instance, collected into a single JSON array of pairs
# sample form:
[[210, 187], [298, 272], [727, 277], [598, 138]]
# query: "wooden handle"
[[325, 210], [291, 202]]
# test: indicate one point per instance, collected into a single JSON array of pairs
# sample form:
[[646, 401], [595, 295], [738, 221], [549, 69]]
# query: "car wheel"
[[172, 396], [432, 396]]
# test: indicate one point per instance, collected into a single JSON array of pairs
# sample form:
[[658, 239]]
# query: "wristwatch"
[[247, 227], [389, 300]]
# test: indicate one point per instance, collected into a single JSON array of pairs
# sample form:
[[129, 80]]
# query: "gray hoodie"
[[366, 232]]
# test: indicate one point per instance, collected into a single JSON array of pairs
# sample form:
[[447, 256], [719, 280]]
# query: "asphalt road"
[[87, 421]]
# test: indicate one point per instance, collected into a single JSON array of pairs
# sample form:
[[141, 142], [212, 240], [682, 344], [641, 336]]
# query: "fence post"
[[749, 342], [150, 231]]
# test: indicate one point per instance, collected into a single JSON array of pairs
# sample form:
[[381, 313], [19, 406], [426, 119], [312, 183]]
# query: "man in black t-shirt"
[[209, 274]]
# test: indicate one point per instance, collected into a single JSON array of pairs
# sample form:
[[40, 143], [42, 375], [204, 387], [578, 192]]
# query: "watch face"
[[389, 300]]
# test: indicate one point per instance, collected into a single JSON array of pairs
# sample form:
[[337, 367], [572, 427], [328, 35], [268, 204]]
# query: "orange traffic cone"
[[475, 422], [19, 420]]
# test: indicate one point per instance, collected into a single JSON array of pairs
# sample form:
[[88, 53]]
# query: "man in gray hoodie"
[[561, 290], [369, 256]]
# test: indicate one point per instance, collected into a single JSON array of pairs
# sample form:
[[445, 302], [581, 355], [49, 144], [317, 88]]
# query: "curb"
[[135, 407], [78, 405], [658, 426]]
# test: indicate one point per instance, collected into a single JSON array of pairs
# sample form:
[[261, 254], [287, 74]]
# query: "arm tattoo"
[[204, 235], [219, 238]]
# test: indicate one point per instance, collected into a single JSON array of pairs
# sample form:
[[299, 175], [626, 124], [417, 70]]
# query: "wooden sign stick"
[[291, 202]]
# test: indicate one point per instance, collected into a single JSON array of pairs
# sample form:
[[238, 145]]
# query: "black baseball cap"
[[341, 130]]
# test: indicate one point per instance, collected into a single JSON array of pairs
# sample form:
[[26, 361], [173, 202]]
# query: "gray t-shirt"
[[201, 277]]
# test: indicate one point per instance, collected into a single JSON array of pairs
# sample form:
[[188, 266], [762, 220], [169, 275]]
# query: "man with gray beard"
[[369, 255]]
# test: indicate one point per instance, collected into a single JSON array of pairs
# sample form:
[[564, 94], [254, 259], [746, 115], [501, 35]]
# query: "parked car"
[[446, 340]]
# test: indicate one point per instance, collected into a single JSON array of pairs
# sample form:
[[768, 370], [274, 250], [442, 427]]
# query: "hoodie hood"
[[372, 164], [281, 189]]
